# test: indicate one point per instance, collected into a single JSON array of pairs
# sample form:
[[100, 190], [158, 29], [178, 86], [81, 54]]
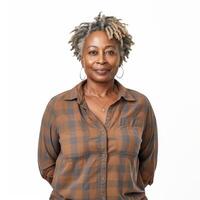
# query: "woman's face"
[[100, 57]]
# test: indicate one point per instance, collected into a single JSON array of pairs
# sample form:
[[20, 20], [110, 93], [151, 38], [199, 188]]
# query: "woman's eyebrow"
[[107, 46], [111, 46], [92, 46]]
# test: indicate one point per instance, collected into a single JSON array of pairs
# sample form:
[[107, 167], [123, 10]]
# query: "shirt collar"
[[77, 92]]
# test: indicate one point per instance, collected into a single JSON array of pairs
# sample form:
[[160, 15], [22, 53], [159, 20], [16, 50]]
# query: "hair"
[[113, 28]]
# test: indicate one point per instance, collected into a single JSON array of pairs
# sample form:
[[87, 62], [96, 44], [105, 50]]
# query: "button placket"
[[108, 117], [103, 158]]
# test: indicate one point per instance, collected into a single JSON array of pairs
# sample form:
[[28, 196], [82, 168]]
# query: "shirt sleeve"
[[149, 148], [48, 146]]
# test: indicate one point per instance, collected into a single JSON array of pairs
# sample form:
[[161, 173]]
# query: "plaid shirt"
[[84, 159]]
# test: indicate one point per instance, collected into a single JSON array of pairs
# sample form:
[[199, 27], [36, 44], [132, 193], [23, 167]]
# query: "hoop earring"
[[121, 74], [82, 78]]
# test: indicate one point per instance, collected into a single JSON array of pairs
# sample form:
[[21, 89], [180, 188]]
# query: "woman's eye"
[[93, 53], [111, 52]]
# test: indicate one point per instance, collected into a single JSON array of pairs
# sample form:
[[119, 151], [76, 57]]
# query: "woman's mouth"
[[102, 71]]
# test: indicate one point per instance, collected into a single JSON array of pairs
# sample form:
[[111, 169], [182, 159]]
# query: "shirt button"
[[103, 179], [103, 161], [103, 155]]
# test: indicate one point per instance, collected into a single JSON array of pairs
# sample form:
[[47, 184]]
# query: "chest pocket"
[[126, 139]]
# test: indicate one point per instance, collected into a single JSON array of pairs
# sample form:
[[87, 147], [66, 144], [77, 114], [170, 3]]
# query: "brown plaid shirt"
[[84, 159]]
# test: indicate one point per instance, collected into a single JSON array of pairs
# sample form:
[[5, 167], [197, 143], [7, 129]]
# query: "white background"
[[164, 65]]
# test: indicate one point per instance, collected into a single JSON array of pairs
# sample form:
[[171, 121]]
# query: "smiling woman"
[[98, 140], [100, 57]]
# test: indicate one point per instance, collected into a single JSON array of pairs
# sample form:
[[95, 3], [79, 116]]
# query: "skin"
[[100, 60]]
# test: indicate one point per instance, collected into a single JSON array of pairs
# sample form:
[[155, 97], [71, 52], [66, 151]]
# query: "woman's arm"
[[149, 148], [48, 147]]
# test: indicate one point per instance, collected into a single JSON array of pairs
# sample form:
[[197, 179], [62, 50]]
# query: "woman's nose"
[[101, 59]]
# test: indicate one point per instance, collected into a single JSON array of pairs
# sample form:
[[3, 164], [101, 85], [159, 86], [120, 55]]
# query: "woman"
[[99, 139]]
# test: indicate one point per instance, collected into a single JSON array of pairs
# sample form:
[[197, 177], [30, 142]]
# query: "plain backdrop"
[[37, 64]]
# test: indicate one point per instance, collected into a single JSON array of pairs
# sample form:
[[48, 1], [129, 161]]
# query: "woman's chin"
[[102, 79]]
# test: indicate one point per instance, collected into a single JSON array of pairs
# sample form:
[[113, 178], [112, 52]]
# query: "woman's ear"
[[82, 62], [120, 61]]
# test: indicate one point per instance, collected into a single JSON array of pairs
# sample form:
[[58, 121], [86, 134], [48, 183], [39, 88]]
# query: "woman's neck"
[[99, 89]]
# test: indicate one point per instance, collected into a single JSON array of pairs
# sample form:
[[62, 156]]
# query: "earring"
[[122, 74], [82, 78]]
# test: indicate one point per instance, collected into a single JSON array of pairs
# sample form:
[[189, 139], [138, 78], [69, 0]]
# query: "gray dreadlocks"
[[113, 28]]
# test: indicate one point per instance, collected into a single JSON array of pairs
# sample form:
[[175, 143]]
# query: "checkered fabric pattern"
[[84, 159]]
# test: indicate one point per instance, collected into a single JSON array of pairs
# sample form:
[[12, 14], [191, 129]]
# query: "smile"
[[102, 71]]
